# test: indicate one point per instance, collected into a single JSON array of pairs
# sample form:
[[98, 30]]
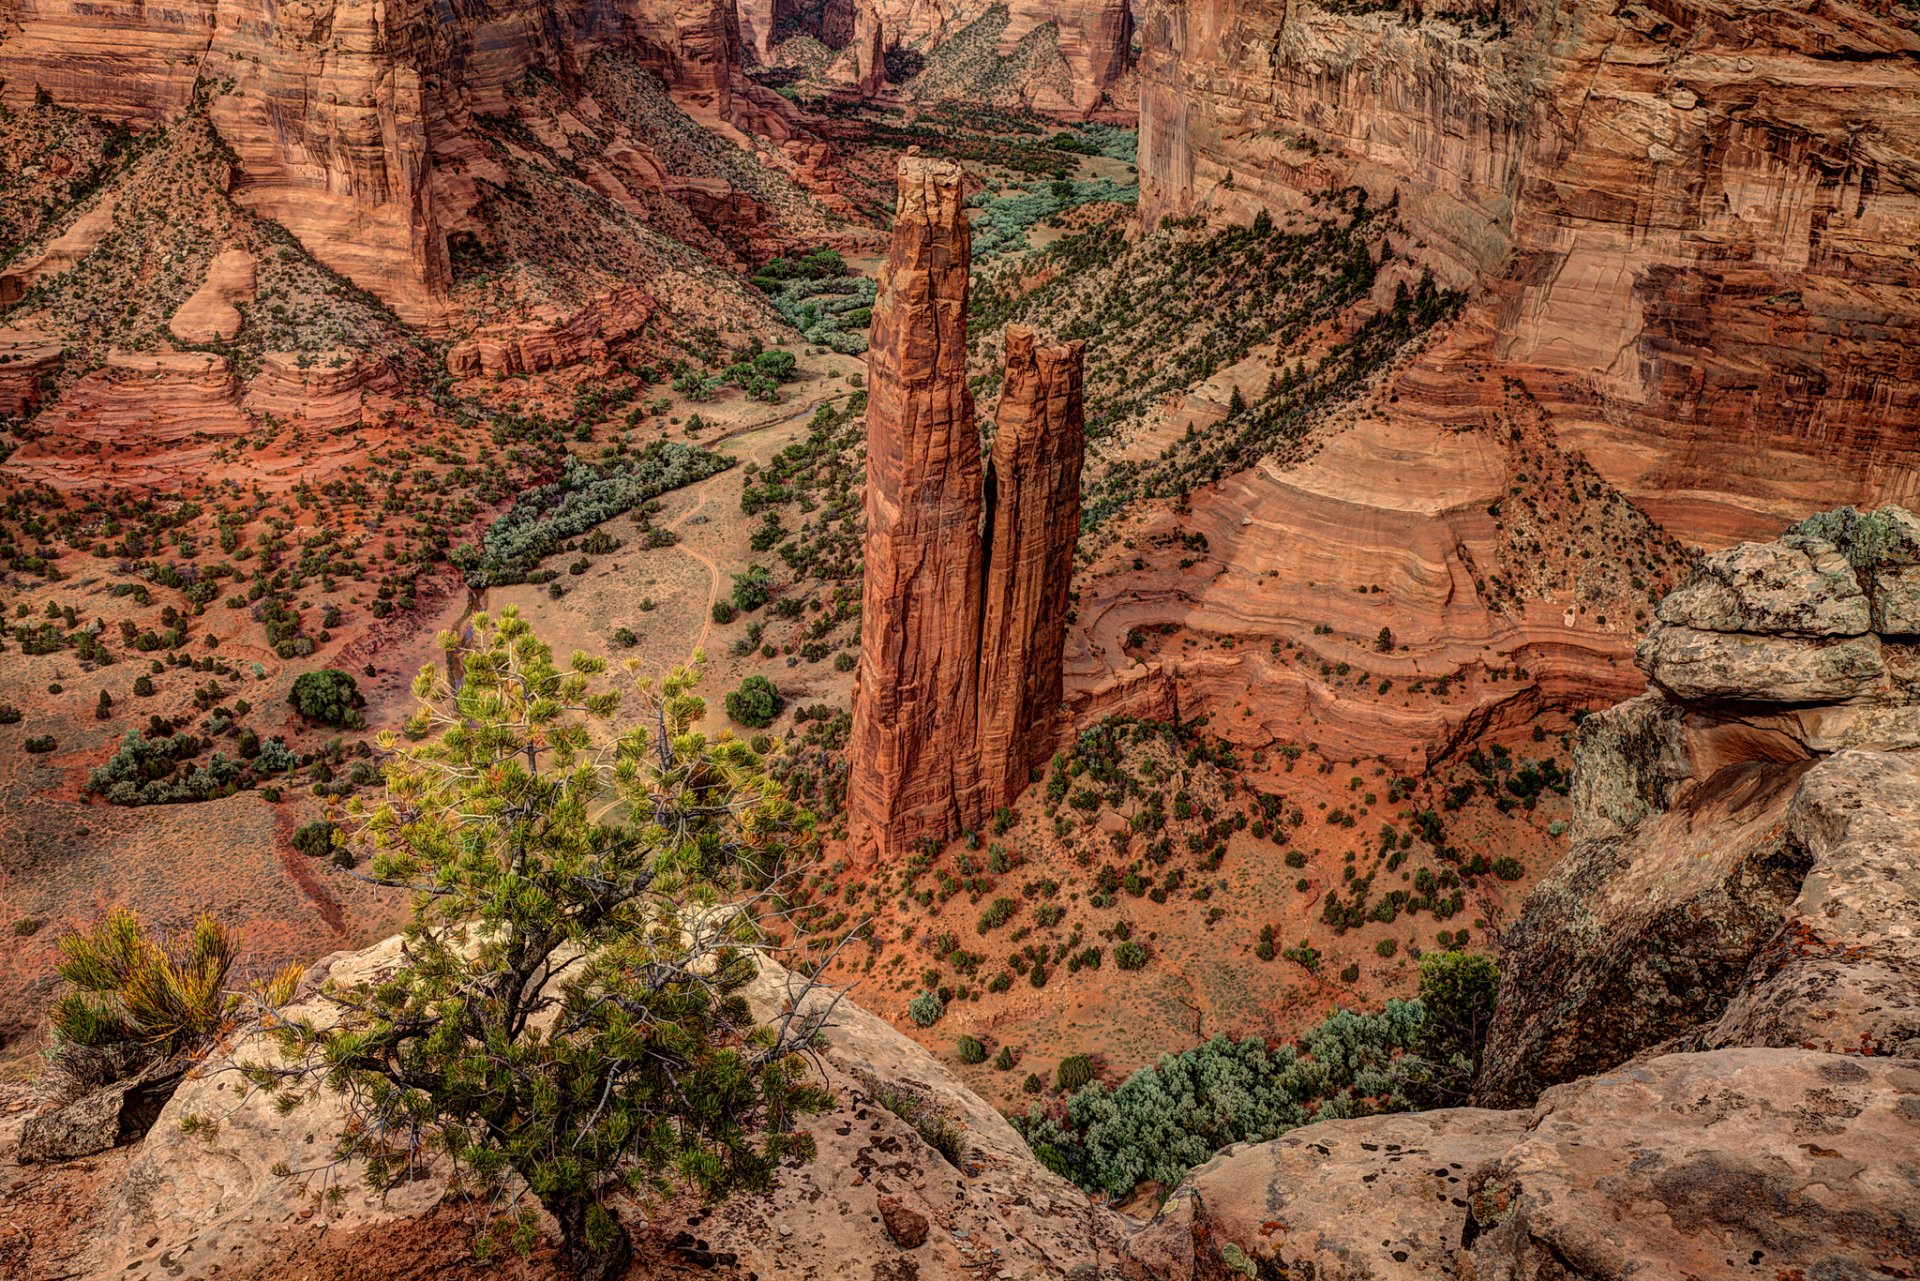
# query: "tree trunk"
[[605, 1262]]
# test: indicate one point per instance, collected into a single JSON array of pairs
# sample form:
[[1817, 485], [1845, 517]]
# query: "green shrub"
[[1130, 955], [1074, 1072], [755, 703], [314, 839], [970, 1050], [925, 1009], [723, 611], [1004, 1061], [40, 744], [1165, 1119], [328, 697]]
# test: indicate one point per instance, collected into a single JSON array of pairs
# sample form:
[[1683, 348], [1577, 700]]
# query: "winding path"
[[704, 489]]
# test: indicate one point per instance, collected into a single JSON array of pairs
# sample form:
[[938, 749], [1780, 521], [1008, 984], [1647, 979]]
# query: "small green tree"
[[755, 703], [328, 697], [567, 1022]]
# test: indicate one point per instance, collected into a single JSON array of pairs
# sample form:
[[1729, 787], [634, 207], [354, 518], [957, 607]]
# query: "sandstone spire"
[[1033, 521], [912, 753], [964, 610]]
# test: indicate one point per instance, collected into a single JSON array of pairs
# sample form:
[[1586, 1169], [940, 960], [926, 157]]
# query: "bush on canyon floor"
[[1165, 1119], [585, 495], [925, 1009], [755, 703], [593, 1037], [328, 697]]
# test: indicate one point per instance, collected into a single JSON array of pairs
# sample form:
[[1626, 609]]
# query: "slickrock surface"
[[913, 771], [1033, 514], [204, 1206], [1731, 822], [960, 634], [1735, 1164], [1693, 225]]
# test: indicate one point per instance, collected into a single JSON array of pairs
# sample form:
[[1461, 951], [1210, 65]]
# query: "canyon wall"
[[348, 118], [964, 604], [1691, 227]]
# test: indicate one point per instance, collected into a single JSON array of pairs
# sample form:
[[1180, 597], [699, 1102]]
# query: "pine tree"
[[567, 1021]]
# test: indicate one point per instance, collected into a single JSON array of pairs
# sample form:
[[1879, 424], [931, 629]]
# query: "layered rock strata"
[[965, 599], [1691, 226], [353, 121], [1724, 817]]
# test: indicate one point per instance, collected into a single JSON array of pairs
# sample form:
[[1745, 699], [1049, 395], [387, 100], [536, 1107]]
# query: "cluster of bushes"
[[755, 702], [1001, 224], [1164, 1120], [147, 771], [816, 294], [585, 495]]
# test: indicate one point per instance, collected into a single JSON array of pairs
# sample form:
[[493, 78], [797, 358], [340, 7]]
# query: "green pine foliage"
[[567, 1022]]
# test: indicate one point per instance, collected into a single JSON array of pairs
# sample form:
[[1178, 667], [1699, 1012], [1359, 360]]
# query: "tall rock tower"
[[1033, 521], [913, 764], [963, 615]]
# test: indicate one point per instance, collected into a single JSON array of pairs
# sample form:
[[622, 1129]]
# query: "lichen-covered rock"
[[1737, 1164], [1792, 587], [1739, 667]]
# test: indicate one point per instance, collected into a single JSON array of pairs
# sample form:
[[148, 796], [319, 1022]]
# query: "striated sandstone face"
[[1722, 820], [964, 606], [913, 770], [350, 118], [1095, 39], [1692, 225], [1033, 522]]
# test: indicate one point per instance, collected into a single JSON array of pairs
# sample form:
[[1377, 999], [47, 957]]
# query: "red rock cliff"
[[1691, 226], [349, 116], [1033, 522], [912, 758]]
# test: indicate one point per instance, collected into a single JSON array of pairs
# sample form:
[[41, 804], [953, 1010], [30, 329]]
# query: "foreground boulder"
[[1739, 1163], [227, 1186], [1744, 869]]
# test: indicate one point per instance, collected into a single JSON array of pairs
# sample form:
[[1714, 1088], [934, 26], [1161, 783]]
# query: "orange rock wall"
[[1691, 225]]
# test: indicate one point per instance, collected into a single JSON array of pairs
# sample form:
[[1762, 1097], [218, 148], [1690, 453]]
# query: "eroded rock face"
[[914, 773], [350, 118], [1033, 522], [1712, 813], [1692, 226], [963, 611]]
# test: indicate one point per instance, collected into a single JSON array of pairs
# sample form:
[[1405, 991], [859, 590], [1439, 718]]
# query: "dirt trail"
[[704, 489]]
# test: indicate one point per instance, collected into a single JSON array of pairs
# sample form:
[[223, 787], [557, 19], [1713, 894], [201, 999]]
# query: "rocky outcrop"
[[28, 359], [913, 770], [869, 50], [353, 121], [876, 1201], [1095, 40], [553, 342], [1691, 226], [960, 634], [1734, 1164], [1718, 816], [210, 313], [1032, 522]]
